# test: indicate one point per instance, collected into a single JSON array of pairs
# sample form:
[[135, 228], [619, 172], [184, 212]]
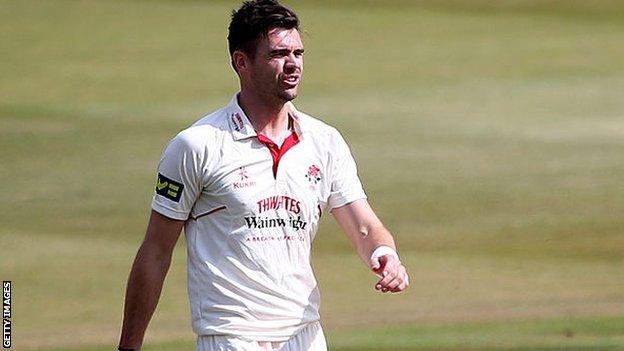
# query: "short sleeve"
[[179, 180], [346, 186]]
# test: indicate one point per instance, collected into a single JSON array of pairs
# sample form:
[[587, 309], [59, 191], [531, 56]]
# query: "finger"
[[378, 285], [388, 276], [392, 266], [392, 280], [399, 288], [378, 263], [404, 283], [393, 284], [375, 266]]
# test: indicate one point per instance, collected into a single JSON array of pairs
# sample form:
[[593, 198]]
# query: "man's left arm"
[[374, 244]]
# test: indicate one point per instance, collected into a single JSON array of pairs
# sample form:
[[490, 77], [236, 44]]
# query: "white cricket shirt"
[[252, 211]]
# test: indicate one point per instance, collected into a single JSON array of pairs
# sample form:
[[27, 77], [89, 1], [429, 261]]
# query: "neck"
[[267, 117]]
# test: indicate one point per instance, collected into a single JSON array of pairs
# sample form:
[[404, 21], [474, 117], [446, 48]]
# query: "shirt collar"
[[241, 127], [296, 119]]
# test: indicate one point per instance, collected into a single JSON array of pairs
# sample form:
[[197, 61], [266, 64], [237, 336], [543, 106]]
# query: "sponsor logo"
[[257, 222], [238, 122], [169, 188], [244, 179], [276, 238], [279, 201], [314, 174], [242, 172]]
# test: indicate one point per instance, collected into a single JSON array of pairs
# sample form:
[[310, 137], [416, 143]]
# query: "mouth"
[[292, 80]]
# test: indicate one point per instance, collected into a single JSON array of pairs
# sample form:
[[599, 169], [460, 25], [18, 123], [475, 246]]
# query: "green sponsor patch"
[[169, 188]]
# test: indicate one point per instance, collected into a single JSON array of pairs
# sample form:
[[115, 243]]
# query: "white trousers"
[[310, 338]]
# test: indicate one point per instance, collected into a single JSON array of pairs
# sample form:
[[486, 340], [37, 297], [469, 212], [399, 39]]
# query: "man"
[[249, 184]]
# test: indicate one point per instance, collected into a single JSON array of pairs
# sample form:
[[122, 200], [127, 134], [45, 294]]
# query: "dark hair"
[[253, 20]]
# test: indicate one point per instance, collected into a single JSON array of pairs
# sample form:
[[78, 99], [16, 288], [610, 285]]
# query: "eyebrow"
[[277, 51]]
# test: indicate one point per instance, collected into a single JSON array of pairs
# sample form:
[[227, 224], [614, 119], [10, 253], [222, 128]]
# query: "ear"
[[240, 61]]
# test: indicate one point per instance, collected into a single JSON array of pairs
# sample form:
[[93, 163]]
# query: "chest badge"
[[242, 172], [314, 176], [245, 181]]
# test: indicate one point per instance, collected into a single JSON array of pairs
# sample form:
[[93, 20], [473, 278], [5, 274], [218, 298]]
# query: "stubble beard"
[[287, 96], [274, 93]]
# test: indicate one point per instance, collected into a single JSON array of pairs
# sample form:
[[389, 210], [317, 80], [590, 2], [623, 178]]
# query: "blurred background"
[[489, 136]]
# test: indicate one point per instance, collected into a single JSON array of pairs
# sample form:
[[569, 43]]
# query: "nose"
[[292, 62]]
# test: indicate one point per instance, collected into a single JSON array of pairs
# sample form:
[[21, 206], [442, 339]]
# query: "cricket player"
[[249, 184]]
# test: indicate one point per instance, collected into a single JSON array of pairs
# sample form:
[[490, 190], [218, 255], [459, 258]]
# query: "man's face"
[[276, 69]]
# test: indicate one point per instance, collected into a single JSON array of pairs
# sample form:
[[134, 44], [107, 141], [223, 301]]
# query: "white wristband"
[[383, 250]]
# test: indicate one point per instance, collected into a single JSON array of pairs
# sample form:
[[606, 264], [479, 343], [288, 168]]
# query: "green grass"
[[489, 136], [564, 333]]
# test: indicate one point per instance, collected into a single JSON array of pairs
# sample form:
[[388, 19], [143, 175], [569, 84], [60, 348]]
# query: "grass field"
[[489, 136]]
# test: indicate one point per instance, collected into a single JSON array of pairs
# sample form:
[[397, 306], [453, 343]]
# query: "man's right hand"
[[393, 274]]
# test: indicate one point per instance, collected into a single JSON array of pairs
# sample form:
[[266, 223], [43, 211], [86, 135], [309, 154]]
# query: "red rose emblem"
[[314, 174], [314, 171]]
